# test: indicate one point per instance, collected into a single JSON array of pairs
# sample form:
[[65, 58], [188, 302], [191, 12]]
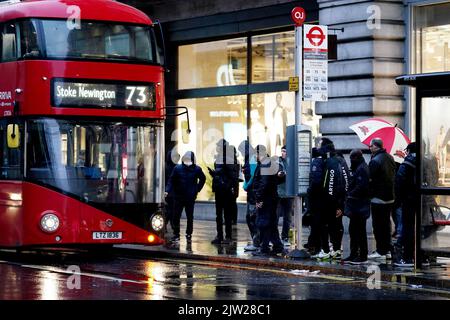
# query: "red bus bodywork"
[[24, 202]]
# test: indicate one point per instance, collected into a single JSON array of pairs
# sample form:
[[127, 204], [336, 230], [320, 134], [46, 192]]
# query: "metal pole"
[[298, 252], [298, 122]]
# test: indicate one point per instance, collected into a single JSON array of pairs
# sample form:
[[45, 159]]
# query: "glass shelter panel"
[[436, 142], [434, 209]]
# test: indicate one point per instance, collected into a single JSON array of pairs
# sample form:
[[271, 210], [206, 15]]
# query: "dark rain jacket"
[[169, 167], [382, 176], [405, 180], [359, 182], [186, 181]]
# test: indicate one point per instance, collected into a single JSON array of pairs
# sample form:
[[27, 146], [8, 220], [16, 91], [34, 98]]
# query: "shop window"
[[431, 38], [213, 64], [273, 57], [271, 113], [212, 119]]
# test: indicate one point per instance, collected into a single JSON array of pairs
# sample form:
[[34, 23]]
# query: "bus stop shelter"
[[432, 128]]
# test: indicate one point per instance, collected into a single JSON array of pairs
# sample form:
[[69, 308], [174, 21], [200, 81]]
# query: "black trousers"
[[381, 222], [269, 232], [170, 208], [224, 211], [407, 238], [358, 237], [251, 223], [188, 206], [331, 229], [284, 210]]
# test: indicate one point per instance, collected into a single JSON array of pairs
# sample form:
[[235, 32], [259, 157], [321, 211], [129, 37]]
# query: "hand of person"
[[281, 174], [259, 205], [166, 194], [338, 213]]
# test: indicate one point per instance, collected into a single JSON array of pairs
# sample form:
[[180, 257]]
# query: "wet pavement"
[[110, 277], [437, 275]]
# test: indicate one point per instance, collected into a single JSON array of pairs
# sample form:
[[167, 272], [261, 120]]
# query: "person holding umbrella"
[[381, 187]]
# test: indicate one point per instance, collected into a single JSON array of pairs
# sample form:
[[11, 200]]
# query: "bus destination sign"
[[90, 94]]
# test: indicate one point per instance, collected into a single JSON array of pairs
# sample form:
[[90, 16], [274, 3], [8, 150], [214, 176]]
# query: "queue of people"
[[336, 190]]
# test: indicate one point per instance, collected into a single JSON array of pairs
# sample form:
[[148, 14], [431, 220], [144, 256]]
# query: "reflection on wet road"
[[123, 278]]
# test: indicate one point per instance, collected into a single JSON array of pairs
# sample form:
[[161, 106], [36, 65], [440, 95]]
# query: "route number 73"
[[136, 94]]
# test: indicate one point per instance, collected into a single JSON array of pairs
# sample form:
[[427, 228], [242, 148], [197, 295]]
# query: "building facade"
[[230, 61]]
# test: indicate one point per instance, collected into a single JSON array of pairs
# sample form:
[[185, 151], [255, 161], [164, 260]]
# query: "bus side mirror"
[[13, 134]]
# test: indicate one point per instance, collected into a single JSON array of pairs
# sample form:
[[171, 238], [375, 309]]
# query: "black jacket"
[[359, 182], [382, 176], [405, 180], [186, 182], [265, 181], [169, 166]]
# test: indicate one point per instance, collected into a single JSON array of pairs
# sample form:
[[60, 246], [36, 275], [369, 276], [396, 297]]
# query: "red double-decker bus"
[[81, 124]]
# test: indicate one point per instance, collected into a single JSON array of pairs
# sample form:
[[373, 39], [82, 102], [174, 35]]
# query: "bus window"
[[99, 40], [9, 42], [28, 39], [117, 42], [10, 159]]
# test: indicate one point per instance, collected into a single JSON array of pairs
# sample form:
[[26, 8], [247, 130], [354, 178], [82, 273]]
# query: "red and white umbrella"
[[394, 139]]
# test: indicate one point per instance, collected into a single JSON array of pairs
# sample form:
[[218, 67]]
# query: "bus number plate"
[[100, 235]]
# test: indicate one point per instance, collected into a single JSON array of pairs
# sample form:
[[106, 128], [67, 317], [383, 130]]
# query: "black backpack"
[[336, 179]]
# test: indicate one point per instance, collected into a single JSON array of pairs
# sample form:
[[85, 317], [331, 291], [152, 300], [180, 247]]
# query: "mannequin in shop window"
[[279, 118]]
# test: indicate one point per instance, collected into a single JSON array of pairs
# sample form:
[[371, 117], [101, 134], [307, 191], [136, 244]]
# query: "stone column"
[[370, 56]]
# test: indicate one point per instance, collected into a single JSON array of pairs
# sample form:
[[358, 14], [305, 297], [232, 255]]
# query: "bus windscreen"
[[90, 40]]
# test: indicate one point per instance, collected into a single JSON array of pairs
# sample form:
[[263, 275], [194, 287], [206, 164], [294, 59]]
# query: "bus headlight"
[[49, 222], [157, 222]]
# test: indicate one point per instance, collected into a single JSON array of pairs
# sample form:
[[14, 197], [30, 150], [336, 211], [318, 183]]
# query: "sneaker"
[[358, 261], [286, 243], [336, 254], [404, 263], [376, 256], [175, 239], [323, 256], [316, 256], [217, 241], [250, 247]]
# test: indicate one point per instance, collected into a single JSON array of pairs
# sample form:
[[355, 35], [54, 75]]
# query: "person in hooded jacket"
[[315, 199], [248, 169], [405, 193], [268, 175], [225, 186], [335, 185], [172, 159], [357, 208], [185, 182], [381, 187]]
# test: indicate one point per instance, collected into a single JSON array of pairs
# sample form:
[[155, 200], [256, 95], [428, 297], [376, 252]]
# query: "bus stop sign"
[[298, 15]]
